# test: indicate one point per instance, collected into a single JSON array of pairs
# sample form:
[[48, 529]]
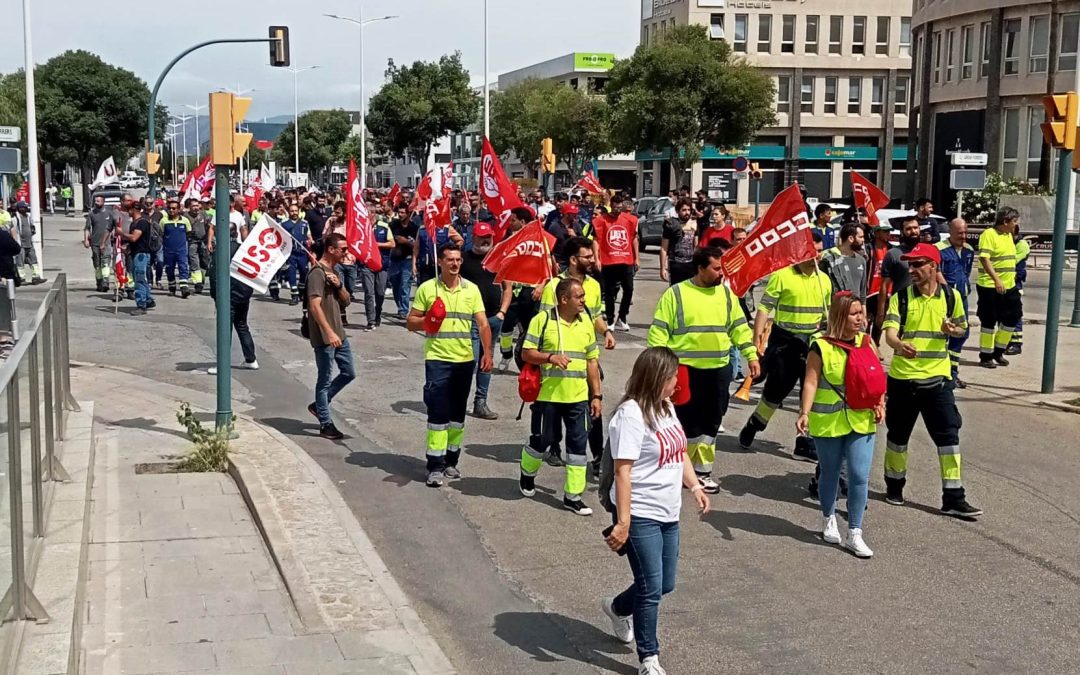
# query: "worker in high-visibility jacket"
[[562, 342], [999, 299], [798, 297], [917, 326], [699, 319], [1023, 252], [174, 243]]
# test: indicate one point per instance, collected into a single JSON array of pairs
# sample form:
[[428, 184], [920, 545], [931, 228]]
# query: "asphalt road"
[[509, 585]]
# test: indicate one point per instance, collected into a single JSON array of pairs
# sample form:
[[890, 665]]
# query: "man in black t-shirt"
[[404, 231], [496, 304], [138, 238]]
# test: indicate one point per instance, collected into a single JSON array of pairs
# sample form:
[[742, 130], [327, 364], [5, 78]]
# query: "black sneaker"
[[554, 457], [805, 449], [576, 506], [330, 432], [960, 384], [746, 436], [294, 301], [527, 485], [1014, 349], [894, 496], [987, 364], [311, 409], [812, 488], [139, 311], [960, 509], [1001, 360]]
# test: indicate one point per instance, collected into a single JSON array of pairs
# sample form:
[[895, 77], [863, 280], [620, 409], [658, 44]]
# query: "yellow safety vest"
[[799, 302], [1001, 250], [453, 342], [700, 324], [830, 417], [575, 340], [923, 330], [592, 295]]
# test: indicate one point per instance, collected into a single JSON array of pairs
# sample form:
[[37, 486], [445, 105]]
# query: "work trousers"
[[614, 278], [522, 310], [298, 269], [905, 401], [198, 262], [547, 419], [374, 286], [446, 395], [101, 258], [998, 315], [702, 415], [174, 261], [783, 366]]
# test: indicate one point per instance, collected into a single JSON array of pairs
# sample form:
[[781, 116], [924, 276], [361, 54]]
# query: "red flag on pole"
[[590, 184], [868, 197], [391, 197], [118, 265], [781, 238], [523, 258], [499, 194], [448, 180], [200, 181], [359, 233]]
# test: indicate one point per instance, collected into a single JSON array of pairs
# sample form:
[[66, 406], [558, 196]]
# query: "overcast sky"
[[145, 36]]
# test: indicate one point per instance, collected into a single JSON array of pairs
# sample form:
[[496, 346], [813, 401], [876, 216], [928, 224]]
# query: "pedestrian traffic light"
[[153, 162], [547, 156], [755, 171], [226, 144], [279, 46], [1059, 129]]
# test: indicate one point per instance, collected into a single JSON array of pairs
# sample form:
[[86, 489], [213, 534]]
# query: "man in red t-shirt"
[[615, 241]]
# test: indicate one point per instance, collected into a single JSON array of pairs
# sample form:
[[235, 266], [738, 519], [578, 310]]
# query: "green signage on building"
[[593, 61]]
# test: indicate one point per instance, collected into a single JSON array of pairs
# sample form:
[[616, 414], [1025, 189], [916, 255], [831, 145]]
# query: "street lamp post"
[[487, 92], [31, 137], [361, 22], [296, 113], [198, 142], [183, 135]]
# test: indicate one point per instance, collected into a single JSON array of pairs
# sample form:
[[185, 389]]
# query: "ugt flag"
[[358, 230], [267, 247], [781, 238], [524, 258], [868, 197]]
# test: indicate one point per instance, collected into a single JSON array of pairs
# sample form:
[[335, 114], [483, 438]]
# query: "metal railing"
[[35, 384]]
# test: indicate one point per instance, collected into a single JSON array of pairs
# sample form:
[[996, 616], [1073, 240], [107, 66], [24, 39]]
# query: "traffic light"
[[226, 144], [547, 156], [1059, 129], [153, 163], [755, 171], [279, 46]]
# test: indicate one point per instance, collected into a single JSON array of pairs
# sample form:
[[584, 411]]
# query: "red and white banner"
[[448, 181], [590, 184], [267, 247], [499, 194], [23, 193], [782, 237], [868, 197], [200, 182], [524, 258], [118, 265], [106, 174], [392, 196], [359, 233]]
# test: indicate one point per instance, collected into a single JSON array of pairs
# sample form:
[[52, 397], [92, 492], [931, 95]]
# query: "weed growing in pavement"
[[211, 451]]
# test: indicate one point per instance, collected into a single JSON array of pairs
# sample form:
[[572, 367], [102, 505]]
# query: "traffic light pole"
[[1057, 270], [151, 111], [223, 303]]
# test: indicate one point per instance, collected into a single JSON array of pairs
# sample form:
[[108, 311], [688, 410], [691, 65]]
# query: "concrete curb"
[[1060, 405]]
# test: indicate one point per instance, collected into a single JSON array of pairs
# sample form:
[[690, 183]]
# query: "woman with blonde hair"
[[840, 431], [648, 449]]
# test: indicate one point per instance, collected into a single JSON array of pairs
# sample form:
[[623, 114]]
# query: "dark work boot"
[[805, 449], [954, 503], [894, 491]]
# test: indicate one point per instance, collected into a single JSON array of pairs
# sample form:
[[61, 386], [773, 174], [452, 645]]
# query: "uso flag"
[[262, 254], [781, 238]]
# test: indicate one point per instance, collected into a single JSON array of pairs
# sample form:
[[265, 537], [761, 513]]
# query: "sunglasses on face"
[[918, 264]]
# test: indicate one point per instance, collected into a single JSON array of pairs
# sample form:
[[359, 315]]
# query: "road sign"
[[740, 164], [721, 185], [10, 134], [967, 179], [10, 160], [969, 158]]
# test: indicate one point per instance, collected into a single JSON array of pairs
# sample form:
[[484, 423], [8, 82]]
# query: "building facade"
[[842, 72], [981, 70]]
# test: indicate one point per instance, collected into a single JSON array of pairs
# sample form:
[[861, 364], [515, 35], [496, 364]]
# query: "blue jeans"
[[401, 283], [653, 552], [347, 274], [858, 450], [483, 380], [325, 389], [736, 361], [141, 271]]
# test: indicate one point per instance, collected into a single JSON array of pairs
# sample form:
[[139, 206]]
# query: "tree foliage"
[[684, 91], [322, 133], [420, 104]]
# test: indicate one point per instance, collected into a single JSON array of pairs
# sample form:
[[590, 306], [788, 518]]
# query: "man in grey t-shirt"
[[97, 235], [845, 263]]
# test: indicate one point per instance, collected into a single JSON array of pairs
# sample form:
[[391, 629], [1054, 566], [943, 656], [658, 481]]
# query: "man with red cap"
[[918, 324], [568, 225]]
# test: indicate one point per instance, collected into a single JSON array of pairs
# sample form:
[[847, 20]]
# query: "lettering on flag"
[[590, 184], [200, 181], [498, 192], [266, 248], [523, 258], [868, 197], [359, 233]]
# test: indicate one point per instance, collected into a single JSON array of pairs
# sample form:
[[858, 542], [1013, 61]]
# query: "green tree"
[[684, 91], [420, 104], [520, 119], [322, 133], [580, 130]]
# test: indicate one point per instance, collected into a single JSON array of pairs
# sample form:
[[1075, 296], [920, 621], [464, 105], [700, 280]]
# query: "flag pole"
[[487, 88]]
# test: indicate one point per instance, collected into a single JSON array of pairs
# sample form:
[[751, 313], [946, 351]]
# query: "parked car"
[[113, 194], [895, 217], [651, 217]]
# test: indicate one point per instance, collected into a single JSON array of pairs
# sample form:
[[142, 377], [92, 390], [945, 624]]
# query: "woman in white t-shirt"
[[648, 448]]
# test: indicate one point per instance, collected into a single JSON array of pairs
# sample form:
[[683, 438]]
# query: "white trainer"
[[856, 545], [248, 365], [651, 666], [621, 325], [829, 531], [621, 626]]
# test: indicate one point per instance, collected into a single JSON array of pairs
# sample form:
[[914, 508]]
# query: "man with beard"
[[894, 270]]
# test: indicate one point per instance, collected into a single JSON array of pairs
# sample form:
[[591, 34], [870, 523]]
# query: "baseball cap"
[[482, 229], [883, 225], [570, 208], [923, 252], [159, 203]]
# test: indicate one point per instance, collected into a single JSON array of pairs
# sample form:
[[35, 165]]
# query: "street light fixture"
[[198, 143], [183, 133], [296, 112], [361, 22]]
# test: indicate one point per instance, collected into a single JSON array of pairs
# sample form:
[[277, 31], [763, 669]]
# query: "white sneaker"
[[651, 666], [829, 531], [621, 626], [249, 365], [212, 370], [856, 545], [709, 485], [622, 325], [504, 365]]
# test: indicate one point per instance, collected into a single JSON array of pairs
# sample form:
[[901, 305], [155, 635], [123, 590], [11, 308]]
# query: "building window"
[[716, 26], [811, 35], [950, 54], [882, 36], [854, 95], [764, 33], [806, 101], [1035, 141], [1010, 47], [740, 32], [1010, 135], [836, 33], [787, 35], [644, 35], [967, 52], [905, 36], [984, 59], [1070, 31], [877, 95], [937, 57], [830, 95], [858, 35], [902, 94], [783, 94], [1039, 51]]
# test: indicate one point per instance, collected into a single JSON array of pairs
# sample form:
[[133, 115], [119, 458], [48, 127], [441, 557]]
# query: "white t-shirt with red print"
[[656, 477]]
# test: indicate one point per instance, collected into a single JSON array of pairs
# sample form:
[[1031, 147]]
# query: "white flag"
[[106, 174], [266, 179], [267, 247]]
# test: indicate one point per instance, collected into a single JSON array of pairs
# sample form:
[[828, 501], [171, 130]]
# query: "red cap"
[[570, 208], [482, 229], [159, 203], [923, 252]]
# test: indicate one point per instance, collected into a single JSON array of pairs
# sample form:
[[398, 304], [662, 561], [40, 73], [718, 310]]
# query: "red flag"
[[118, 265], [23, 193], [868, 197], [391, 197], [782, 237], [200, 181], [425, 189], [437, 215], [590, 184], [359, 233], [523, 258], [448, 181], [499, 194]]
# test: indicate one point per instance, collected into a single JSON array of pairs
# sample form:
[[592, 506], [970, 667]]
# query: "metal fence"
[[35, 395]]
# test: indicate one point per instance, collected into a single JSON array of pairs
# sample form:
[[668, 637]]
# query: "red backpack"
[[864, 377], [529, 383]]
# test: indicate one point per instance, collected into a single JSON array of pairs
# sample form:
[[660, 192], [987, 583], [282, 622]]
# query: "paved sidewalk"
[[180, 579]]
